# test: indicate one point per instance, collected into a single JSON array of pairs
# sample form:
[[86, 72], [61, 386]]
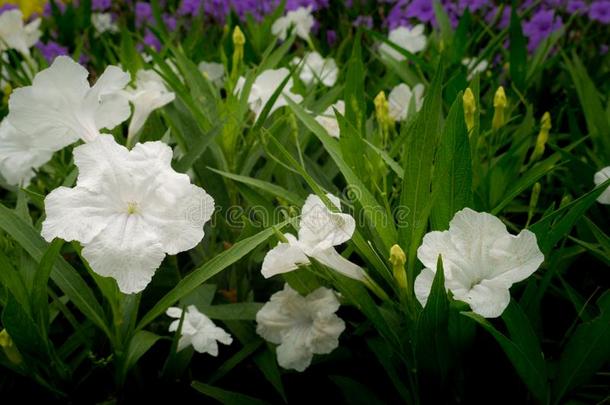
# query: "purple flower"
[[600, 11], [47, 10], [152, 41], [7, 7], [101, 5], [603, 49], [170, 22], [472, 5], [541, 25], [51, 50], [331, 37], [576, 6], [143, 13], [397, 17], [314, 4], [190, 7], [422, 10]]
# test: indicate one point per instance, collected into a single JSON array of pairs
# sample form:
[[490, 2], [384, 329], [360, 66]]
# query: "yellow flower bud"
[[239, 38], [543, 136], [500, 104], [470, 107], [10, 350], [381, 107], [398, 260]]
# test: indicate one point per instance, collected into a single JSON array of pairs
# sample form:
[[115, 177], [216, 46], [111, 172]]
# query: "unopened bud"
[[500, 104], [470, 107], [543, 136]]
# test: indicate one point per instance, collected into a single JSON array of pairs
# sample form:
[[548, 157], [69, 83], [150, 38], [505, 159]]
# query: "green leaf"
[[432, 328], [452, 182], [520, 349], [240, 311], [63, 275], [246, 351], [555, 226], [418, 163], [40, 300], [265, 186], [586, 351], [139, 344], [206, 271], [24, 332], [226, 397], [518, 50], [266, 362]]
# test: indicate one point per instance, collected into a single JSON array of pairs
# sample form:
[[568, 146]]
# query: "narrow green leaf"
[[226, 397], [206, 271], [139, 344], [586, 352]]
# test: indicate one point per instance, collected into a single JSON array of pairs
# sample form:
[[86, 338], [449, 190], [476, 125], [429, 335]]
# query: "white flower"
[[197, 330], [61, 104], [599, 178], [410, 39], [473, 67], [317, 69], [481, 261], [21, 154], [102, 22], [149, 94], [15, 35], [263, 88], [328, 118], [213, 71], [128, 209], [400, 100], [320, 230], [301, 19], [301, 326]]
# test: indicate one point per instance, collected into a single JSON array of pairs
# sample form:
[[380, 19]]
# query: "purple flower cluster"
[[540, 27], [51, 50]]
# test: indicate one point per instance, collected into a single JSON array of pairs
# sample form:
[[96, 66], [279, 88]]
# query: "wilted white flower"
[[410, 39], [473, 67], [320, 230], [328, 119], [60, 103], [102, 22], [400, 100], [301, 19], [149, 94], [481, 261], [197, 330], [213, 71], [317, 69], [128, 209], [599, 178], [301, 326], [263, 88], [15, 35], [21, 154]]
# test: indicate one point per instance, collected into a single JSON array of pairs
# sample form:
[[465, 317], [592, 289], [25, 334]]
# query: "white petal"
[[75, 214], [423, 285], [516, 258], [97, 158], [331, 258], [399, 100], [320, 229], [127, 251], [20, 154], [106, 99], [283, 258], [293, 353], [600, 177], [52, 105], [174, 312], [488, 299]]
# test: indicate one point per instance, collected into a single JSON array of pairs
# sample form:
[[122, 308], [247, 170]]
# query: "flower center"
[[132, 207]]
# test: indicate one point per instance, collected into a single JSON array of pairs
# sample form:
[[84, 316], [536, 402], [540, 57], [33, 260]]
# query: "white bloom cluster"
[[320, 230], [197, 330], [328, 118], [317, 69], [263, 88], [403, 100], [301, 19], [15, 35], [410, 39], [481, 261], [301, 326]]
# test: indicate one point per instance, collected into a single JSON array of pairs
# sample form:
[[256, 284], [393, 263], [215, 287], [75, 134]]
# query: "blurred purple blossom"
[[422, 10], [101, 5], [363, 21], [7, 7], [331, 37], [143, 13], [576, 6], [51, 50], [542, 24], [600, 11]]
